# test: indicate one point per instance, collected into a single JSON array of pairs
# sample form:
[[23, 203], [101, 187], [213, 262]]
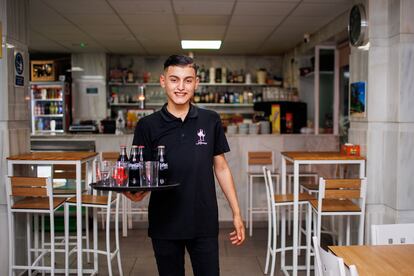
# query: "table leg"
[[295, 217], [124, 217], [79, 216], [362, 217], [283, 213]]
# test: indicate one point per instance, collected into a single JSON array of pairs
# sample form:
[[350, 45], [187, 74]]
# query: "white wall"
[[14, 111], [387, 133]]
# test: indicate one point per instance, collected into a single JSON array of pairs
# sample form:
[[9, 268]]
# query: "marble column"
[[387, 132], [14, 106]]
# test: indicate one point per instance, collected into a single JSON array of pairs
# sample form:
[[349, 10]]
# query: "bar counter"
[[240, 144]]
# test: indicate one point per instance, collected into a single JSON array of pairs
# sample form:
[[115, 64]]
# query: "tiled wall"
[[387, 133], [14, 111]]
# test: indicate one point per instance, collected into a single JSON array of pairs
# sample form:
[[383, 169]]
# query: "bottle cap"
[[161, 146], [141, 147]]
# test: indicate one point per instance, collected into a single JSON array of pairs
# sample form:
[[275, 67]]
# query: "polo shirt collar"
[[167, 116]]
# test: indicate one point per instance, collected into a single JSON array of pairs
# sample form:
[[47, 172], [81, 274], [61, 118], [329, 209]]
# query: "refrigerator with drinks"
[[50, 110]]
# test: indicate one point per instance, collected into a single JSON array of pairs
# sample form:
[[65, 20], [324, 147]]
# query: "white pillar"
[[387, 133], [14, 111]]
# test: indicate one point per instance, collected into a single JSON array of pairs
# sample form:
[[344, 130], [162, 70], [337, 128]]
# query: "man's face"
[[179, 82]]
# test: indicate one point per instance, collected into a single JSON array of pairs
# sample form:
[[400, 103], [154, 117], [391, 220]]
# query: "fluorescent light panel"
[[200, 44]]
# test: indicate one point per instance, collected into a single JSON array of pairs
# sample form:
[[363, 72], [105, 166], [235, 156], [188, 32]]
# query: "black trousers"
[[203, 252]]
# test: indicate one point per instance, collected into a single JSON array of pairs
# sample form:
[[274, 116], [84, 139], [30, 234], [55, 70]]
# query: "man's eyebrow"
[[187, 77]]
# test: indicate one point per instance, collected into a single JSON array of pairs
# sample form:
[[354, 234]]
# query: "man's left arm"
[[225, 179]]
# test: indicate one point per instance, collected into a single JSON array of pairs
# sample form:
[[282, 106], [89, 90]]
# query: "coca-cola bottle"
[[121, 173], [163, 166], [141, 164], [133, 166]]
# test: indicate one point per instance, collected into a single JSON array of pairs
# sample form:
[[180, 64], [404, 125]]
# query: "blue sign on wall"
[[19, 69]]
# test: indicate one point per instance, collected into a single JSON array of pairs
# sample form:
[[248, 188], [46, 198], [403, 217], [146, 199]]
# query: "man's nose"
[[181, 85]]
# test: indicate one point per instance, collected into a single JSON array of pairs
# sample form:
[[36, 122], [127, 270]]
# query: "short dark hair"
[[180, 60]]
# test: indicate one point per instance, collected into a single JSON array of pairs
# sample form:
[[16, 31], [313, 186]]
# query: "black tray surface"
[[120, 189]]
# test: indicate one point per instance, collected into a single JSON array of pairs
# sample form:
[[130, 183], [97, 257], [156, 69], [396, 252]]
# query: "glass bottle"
[[133, 166], [163, 169]]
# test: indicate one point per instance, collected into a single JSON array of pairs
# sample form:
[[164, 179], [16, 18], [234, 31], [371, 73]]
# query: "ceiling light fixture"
[[201, 44]]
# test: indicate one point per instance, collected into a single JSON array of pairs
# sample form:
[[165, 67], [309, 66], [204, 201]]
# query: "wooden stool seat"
[[289, 197], [37, 203], [311, 186], [90, 199], [336, 205]]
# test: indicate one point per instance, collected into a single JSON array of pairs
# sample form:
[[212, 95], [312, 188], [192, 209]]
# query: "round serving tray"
[[120, 189]]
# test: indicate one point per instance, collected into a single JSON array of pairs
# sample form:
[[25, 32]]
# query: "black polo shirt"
[[190, 210]]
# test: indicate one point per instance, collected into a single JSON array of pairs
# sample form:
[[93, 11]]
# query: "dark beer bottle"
[[134, 176], [163, 171]]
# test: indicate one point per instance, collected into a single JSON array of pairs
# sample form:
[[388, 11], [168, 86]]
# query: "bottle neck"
[[123, 155], [161, 155]]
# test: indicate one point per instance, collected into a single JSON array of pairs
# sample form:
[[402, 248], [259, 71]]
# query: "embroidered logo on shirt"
[[201, 135]]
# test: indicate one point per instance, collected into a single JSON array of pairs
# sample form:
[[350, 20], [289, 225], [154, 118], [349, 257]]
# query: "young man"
[[187, 216]]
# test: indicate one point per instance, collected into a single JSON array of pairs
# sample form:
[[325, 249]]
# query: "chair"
[[340, 197], [392, 234], [96, 202], [67, 174], [327, 264], [274, 201], [35, 196], [256, 159], [127, 210]]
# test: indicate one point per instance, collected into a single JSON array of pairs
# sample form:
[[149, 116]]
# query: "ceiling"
[[155, 27]]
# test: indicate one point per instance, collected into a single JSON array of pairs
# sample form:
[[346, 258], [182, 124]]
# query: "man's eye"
[[173, 80], [189, 81]]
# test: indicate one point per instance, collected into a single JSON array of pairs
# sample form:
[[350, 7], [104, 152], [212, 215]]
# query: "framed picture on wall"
[[357, 106]]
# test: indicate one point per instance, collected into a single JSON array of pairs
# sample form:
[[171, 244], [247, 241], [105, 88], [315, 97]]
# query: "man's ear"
[[162, 80]]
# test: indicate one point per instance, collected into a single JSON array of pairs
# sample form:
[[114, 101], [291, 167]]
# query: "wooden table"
[[62, 158], [298, 158], [378, 259]]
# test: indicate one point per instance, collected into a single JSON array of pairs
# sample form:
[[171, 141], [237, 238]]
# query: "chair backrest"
[[21, 187], [270, 195], [351, 270], [392, 234], [257, 159], [62, 171], [109, 155], [327, 264], [346, 188], [341, 188]]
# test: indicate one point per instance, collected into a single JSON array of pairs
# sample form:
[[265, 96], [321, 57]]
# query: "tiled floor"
[[245, 260]]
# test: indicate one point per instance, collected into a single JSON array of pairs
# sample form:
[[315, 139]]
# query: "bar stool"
[[67, 174], [283, 200], [37, 198], [127, 210], [255, 160], [96, 202], [340, 197]]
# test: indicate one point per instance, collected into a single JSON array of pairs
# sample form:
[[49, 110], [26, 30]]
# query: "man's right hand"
[[136, 196]]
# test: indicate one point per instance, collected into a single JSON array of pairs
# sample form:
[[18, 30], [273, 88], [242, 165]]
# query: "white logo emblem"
[[201, 135]]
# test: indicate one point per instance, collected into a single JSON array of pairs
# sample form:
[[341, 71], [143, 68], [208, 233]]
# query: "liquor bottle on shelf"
[[163, 169], [202, 74]]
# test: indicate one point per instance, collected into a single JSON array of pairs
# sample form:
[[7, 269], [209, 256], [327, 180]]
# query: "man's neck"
[[179, 111]]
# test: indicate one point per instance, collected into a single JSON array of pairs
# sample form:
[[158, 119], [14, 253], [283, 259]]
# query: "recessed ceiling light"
[[200, 44]]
